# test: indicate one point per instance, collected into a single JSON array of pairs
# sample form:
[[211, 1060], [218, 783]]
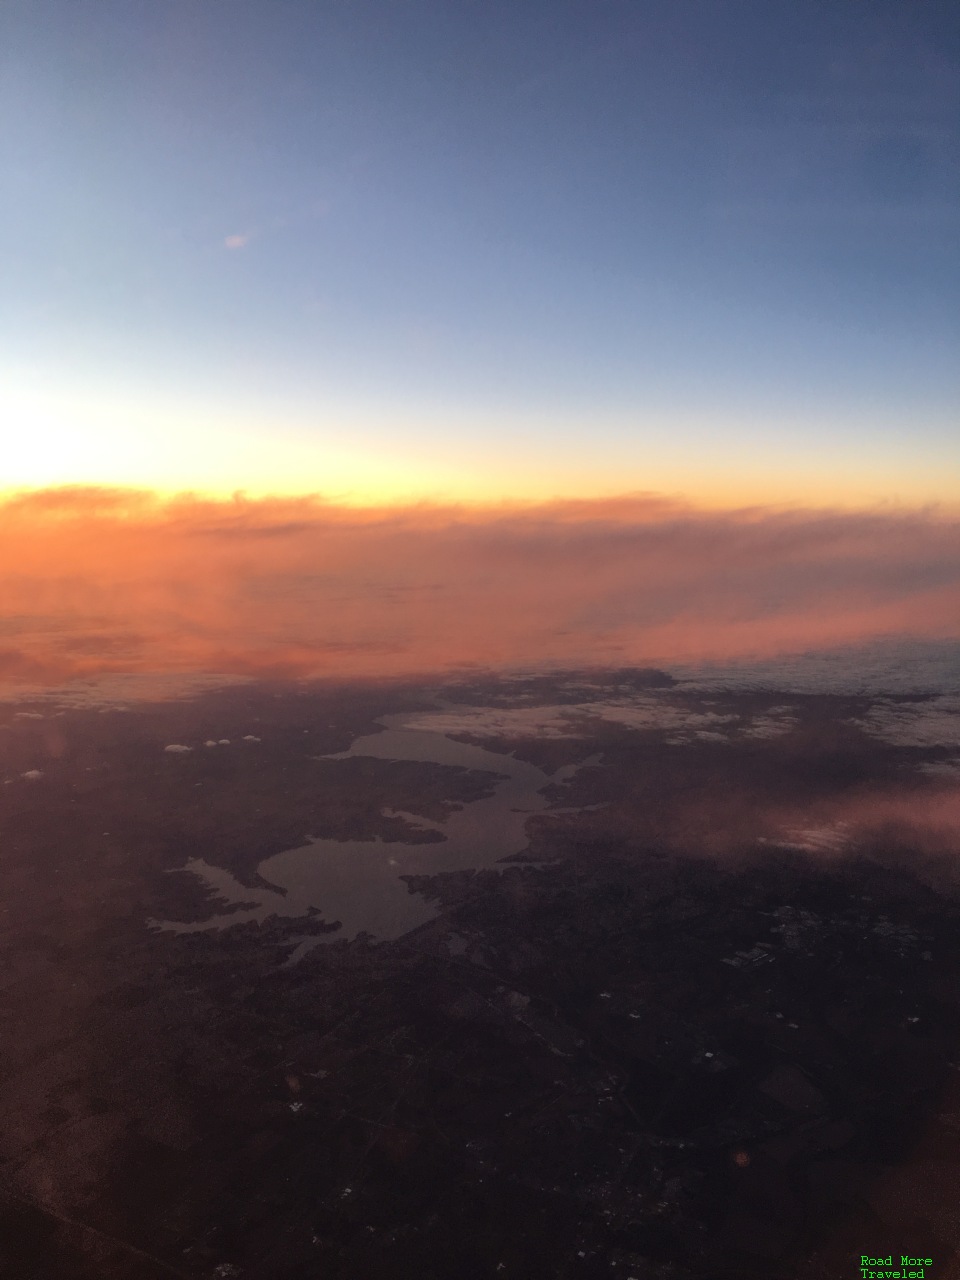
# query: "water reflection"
[[357, 882]]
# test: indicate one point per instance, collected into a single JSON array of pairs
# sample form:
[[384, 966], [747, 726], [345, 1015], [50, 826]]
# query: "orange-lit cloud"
[[97, 580], [919, 825]]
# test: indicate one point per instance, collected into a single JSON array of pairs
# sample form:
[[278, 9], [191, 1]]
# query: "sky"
[[386, 252]]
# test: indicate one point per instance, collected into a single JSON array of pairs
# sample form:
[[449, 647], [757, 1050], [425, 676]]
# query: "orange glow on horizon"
[[112, 580]]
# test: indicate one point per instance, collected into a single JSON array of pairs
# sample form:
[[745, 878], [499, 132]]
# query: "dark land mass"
[[650, 1047]]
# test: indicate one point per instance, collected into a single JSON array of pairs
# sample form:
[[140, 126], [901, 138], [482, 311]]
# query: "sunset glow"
[[95, 438], [101, 580], [625, 253]]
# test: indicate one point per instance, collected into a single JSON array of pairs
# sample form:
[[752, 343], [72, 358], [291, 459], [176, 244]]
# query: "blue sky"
[[634, 232]]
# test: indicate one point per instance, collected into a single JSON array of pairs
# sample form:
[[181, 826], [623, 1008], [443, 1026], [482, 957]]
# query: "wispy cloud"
[[98, 580]]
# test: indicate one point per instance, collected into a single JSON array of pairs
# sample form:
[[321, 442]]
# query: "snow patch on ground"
[[570, 720], [933, 722], [644, 712], [949, 768]]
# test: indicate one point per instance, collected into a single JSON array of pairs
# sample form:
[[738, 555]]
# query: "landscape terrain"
[[576, 974]]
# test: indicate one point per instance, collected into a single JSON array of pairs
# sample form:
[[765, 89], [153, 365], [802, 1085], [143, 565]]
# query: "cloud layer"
[[96, 581]]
